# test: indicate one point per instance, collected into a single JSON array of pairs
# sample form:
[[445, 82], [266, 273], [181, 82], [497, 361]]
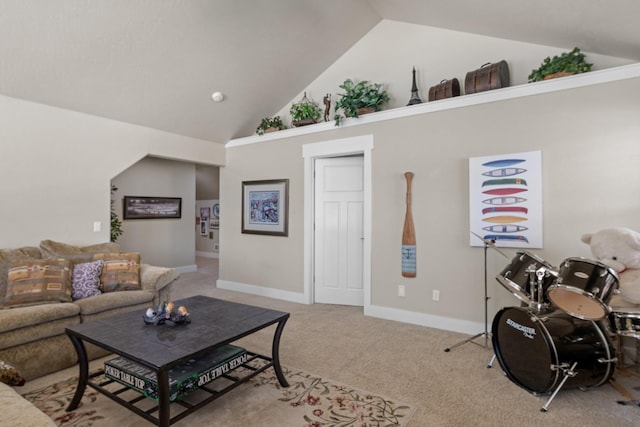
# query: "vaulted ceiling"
[[156, 62]]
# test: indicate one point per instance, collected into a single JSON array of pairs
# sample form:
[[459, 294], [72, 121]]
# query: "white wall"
[[56, 167], [588, 138]]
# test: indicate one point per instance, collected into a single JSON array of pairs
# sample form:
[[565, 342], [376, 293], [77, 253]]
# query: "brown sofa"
[[32, 337]]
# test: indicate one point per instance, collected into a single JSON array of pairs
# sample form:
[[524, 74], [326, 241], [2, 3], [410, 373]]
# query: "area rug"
[[310, 401]]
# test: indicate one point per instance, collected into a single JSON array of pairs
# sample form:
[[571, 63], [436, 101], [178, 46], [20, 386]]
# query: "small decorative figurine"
[[327, 106], [164, 313]]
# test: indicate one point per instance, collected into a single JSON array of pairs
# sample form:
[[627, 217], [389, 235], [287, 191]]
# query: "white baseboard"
[[187, 268], [422, 319], [262, 291], [428, 320], [208, 254]]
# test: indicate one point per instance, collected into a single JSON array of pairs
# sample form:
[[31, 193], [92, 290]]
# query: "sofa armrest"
[[158, 280]]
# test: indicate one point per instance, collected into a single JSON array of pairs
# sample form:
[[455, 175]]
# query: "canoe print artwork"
[[505, 219], [520, 209], [495, 237], [507, 228], [504, 172], [502, 163], [505, 203], [504, 191], [505, 181], [504, 200]]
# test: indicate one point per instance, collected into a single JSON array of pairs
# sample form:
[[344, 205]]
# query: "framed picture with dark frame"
[[135, 207], [265, 207]]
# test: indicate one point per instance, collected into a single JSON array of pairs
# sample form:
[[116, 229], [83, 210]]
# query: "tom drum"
[[584, 288], [516, 276]]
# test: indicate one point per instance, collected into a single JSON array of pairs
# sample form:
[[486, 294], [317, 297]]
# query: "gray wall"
[[590, 155], [166, 242]]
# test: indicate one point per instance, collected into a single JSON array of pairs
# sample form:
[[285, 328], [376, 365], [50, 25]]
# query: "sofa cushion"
[[38, 281], [6, 255], [85, 279], [9, 374], [51, 249], [23, 325], [121, 271], [113, 303]]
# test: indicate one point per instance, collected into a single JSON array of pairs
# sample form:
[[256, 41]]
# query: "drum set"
[[561, 334]]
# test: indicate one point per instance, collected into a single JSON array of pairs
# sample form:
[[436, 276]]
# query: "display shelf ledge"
[[547, 86]]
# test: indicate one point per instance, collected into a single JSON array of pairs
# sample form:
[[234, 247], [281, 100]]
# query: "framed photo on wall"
[[265, 207], [136, 207]]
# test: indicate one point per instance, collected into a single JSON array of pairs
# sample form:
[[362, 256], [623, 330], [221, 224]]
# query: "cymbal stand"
[[486, 320]]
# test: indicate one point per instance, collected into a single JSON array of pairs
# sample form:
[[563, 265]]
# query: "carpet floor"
[[407, 363], [309, 401]]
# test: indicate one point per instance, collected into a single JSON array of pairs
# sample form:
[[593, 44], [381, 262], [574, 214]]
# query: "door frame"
[[336, 148]]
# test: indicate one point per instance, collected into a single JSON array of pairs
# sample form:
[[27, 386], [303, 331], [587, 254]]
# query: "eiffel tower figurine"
[[415, 98]]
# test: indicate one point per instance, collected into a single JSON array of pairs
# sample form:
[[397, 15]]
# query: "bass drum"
[[530, 349]]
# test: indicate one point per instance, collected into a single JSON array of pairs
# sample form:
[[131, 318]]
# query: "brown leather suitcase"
[[446, 89], [489, 76]]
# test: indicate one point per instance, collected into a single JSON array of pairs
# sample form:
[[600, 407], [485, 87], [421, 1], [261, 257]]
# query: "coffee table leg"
[[83, 364], [275, 353], [164, 409]]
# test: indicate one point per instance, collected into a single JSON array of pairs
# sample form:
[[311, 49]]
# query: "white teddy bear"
[[619, 248]]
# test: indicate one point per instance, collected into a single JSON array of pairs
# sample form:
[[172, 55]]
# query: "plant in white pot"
[[360, 98]]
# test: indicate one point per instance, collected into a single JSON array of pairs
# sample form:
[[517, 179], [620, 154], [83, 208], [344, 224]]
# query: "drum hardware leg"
[[490, 364], [567, 374], [486, 308]]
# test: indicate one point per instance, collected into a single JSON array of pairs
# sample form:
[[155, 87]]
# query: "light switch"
[[97, 226]]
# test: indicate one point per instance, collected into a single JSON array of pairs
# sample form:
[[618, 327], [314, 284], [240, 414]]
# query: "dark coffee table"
[[214, 323]]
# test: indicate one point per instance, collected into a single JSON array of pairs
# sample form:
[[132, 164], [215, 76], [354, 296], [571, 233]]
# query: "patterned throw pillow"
[[85, 279], [10, 375], [121, 271], [38, 281]]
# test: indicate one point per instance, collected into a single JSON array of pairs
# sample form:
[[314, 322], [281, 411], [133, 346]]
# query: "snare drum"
[[516, 276], [584, 288], [533, 350], [625, 322]]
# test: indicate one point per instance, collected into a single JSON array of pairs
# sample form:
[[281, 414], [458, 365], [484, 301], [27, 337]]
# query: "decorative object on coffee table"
[[167, 312]]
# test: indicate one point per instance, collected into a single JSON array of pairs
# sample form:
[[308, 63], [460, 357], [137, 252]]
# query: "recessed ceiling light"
[[217, 97]]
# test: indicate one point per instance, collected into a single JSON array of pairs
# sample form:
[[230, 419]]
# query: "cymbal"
[[491, 244]]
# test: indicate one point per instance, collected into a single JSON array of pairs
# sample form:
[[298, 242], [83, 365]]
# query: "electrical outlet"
[[436, 295], [400, 290], [97, 226]]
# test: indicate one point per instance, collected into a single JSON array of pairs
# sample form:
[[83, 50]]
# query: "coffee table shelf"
[[148, 408], [215, 323]]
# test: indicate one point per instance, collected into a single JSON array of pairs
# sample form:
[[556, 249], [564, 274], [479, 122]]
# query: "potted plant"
[[270, 124], [116, 224], [360, 98], [305, 112], [566, 64]]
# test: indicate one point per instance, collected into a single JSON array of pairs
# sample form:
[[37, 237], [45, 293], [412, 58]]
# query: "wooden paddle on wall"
[[408, 236]]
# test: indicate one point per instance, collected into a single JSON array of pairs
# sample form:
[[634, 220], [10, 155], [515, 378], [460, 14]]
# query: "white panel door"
[[338, 260]]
